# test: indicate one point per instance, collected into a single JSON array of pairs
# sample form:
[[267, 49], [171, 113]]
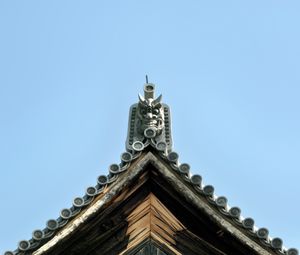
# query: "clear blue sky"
[[69, 70]]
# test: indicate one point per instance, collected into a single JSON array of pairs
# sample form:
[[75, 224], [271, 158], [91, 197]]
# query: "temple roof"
[[149, 142]]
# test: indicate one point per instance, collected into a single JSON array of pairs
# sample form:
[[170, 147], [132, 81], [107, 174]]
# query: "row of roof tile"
[[39, 237]]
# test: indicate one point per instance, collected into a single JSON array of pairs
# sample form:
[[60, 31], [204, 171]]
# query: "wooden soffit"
[[150, 202]]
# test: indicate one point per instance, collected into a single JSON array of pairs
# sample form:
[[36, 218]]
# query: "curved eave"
[[179, 177], [191, 196]]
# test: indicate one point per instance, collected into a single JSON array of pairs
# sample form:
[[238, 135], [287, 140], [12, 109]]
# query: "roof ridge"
[[39, 237], [150, 127]]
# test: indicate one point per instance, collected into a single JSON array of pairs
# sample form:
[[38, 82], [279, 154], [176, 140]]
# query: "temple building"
[[151, 204]]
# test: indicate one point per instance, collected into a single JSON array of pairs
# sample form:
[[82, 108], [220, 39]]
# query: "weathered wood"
[[151, 219], [150, 202]]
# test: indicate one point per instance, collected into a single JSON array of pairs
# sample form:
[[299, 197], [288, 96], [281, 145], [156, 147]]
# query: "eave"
[[182, 185]]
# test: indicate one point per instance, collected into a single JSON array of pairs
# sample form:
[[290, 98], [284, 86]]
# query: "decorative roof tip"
[[150, 125], [149, 122]]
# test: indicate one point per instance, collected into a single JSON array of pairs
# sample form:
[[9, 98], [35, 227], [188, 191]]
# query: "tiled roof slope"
[[39, 237], [136, 144]]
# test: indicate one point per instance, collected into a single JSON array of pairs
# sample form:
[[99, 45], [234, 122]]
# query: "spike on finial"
[[146, 78]]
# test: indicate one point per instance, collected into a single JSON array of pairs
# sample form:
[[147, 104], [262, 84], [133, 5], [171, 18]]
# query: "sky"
[[69, 71]]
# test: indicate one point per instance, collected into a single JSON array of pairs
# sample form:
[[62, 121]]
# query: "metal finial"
[[146, 78]]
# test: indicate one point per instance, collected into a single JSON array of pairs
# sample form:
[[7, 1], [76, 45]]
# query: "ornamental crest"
[[149, 122]]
